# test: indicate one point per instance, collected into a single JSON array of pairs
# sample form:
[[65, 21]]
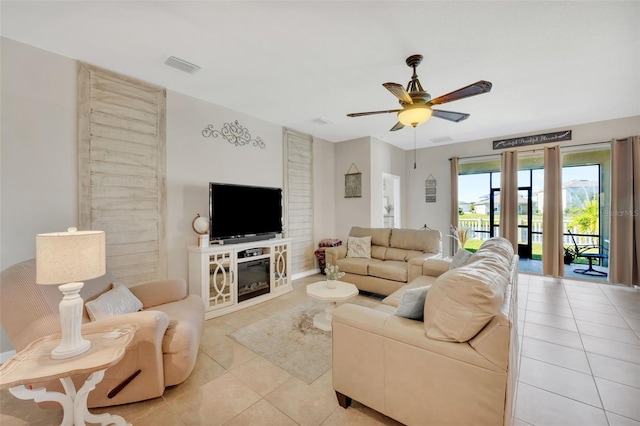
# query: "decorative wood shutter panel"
[[122, 167], [299, 199]]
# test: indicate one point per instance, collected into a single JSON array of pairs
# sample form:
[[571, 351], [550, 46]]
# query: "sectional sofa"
[[382, 260], [455, 366]]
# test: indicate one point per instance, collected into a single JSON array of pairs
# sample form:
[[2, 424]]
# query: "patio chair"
[[585, 251]]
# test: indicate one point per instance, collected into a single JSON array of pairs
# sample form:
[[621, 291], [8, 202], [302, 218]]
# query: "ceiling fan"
[[416, 102]]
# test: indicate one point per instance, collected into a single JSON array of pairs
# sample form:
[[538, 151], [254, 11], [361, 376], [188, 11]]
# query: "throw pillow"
[[359, 247], [117, 301], [460, 258], [412, 303]]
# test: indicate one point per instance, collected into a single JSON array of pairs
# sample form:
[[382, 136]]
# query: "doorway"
[[390, 200]]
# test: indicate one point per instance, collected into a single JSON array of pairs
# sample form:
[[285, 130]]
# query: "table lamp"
[[68, 258]]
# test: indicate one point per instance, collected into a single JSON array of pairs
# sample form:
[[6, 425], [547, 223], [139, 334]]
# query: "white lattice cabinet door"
[[281, 265], [221, 279]]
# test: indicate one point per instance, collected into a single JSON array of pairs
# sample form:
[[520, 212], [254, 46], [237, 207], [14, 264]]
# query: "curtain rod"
[[532, 150]]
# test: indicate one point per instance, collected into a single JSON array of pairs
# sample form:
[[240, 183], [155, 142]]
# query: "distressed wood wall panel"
[[122, 166], [298, 179]]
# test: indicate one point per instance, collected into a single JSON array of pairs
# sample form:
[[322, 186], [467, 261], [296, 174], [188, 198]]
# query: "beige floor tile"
[[615, 370], [216, 402], [629, 312], [594, 307], [619, 399], [308, 405], [551, 320], [548, 308], [559, 380], [204, 371], [261, 413], [261, 375], [553, 300], [611, 348], [613, 320], [227, 352], [162, 416], [542, 408], [358, 415], [561, 356], [618, 420], [601, 298], [624, 335], [553, 335]]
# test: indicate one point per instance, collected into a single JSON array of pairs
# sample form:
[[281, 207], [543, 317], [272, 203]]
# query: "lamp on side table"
[[68, 258]]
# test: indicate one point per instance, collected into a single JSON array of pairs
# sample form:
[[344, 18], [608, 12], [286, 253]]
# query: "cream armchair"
[[163, 352]]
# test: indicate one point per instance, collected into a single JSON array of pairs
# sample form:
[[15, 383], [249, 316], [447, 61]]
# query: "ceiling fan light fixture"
[[415, 114]]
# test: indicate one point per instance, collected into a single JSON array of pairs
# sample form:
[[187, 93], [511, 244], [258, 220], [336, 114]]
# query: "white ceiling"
[[552, 63]]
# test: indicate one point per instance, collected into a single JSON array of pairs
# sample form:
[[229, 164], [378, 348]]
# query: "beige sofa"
[[458, 367], [396, 257], [164, 348]]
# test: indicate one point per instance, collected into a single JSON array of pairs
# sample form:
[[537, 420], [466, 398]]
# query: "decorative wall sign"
[[564, 135], [353, 183], [430, 189], [233, 133]]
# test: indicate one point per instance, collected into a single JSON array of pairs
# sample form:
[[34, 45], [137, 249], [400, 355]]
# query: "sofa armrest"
[[417, 268], [435, 267], [160, 292], [332, 254]]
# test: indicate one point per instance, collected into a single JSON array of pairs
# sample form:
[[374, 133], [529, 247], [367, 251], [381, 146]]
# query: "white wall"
[[435, 161], [352, 211], [194, 160]]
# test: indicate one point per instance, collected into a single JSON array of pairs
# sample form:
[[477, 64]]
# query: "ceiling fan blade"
[[360, 114], [477, 88], [449, 115], [398, 126], [399, 92]]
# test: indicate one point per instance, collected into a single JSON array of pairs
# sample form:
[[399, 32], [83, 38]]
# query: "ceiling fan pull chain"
[[414, 148]]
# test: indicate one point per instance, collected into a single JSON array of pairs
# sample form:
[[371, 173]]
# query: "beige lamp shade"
[[414, 114], [72, 256]]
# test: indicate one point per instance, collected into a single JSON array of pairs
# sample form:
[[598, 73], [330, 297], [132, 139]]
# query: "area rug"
[[289, 339]]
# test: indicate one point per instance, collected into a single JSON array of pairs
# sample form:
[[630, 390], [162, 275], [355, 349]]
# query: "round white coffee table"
[[319, 290]]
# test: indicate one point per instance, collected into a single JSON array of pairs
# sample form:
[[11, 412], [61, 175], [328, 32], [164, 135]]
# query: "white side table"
[[34, 364], [319, 290]]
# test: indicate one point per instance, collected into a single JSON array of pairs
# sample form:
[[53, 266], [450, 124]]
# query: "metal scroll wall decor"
[[233, 133]]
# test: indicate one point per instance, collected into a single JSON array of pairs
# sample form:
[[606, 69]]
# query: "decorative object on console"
[[233, 133], [200, 226], [353, 183], [67, 258]]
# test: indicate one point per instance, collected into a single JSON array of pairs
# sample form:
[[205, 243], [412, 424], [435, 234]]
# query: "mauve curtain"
[[624, 246], [509, 197], [552, 226], [454, 164]]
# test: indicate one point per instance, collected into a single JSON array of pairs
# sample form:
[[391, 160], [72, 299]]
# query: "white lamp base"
[[71, 306]]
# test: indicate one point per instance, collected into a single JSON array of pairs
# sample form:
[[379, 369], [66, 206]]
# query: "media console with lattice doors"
[[229, 277]]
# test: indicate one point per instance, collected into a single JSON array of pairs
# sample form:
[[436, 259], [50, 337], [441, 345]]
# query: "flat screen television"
[[244, 212]]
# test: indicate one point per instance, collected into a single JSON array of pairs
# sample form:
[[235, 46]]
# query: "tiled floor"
[[580, 365]]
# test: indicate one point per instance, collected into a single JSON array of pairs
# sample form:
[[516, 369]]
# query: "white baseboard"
[[4, 356], [305, 274]]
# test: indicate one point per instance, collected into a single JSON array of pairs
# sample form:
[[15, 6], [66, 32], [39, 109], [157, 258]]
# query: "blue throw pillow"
[[412, 303], [460, 258]]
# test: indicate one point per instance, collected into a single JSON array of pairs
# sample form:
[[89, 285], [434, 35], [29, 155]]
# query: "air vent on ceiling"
[[322, 121], [441, 139], [181, 64]]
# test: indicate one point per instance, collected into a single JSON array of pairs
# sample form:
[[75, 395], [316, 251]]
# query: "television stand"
[[262, 270], [244, 239]]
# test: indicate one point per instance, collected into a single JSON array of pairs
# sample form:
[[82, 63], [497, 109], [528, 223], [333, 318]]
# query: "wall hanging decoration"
[[430, 189], [353, 183], [233, 133], [564, 135]]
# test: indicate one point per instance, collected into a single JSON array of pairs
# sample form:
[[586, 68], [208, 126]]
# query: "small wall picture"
[[430, 189], [353, 185]]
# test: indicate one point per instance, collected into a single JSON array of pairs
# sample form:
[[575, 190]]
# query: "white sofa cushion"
[[359, 247], [117, 301], [463, 300]]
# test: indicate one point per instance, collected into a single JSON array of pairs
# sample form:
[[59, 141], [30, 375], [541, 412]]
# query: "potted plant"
[[569, 255], [333, 275]]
